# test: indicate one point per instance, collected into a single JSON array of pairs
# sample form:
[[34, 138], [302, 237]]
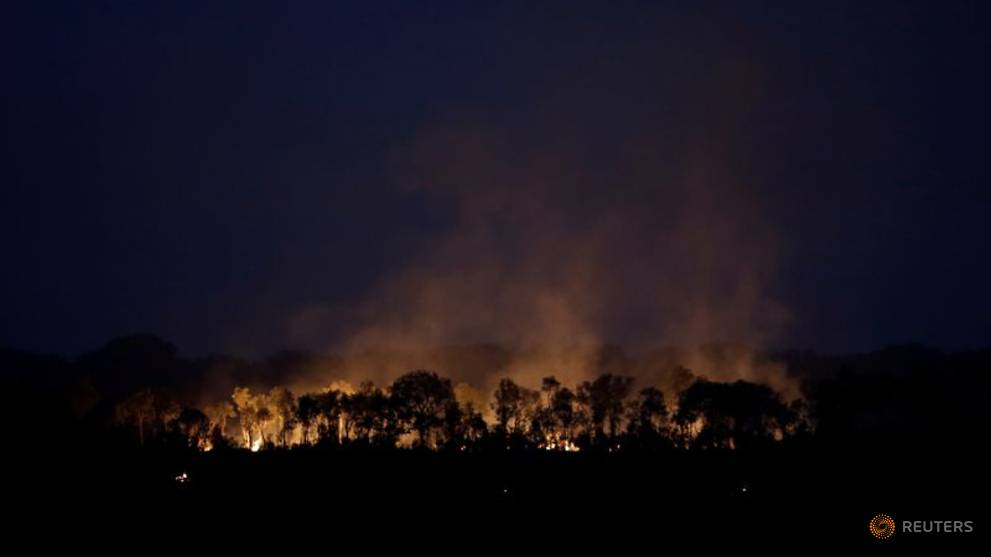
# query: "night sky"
[[252, 176]]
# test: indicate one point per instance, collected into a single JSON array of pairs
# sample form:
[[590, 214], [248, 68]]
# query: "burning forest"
[[421, 410]]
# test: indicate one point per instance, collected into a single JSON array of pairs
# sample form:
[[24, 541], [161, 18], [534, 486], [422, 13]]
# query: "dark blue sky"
[[207, 172]]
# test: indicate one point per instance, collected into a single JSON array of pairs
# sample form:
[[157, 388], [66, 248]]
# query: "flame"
[[553, 443], [256, 445]]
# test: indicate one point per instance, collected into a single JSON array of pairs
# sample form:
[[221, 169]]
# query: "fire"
[[553, 443], [381, 418]]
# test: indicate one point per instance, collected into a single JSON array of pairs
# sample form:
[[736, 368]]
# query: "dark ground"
[[806, 496]]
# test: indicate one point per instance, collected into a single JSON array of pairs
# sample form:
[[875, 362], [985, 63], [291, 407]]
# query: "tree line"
[[422, 410], [900, 397]]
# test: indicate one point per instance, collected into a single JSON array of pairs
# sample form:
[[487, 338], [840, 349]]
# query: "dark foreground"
[[811, 497]]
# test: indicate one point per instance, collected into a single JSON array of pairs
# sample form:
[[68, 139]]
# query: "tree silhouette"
[[329, 408], [166, 413], [385, 425], [647, 418], [218, 413], [262, 418], [731, 415], [421, 398], [282, 406], [563, 412], [246, 408], [137, 410], [194, 427], [371, 414], [515, 407], [549, 386], [307, 412], [604, 398]]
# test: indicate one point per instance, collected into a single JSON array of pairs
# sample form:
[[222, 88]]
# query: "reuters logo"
[[882, 526]]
